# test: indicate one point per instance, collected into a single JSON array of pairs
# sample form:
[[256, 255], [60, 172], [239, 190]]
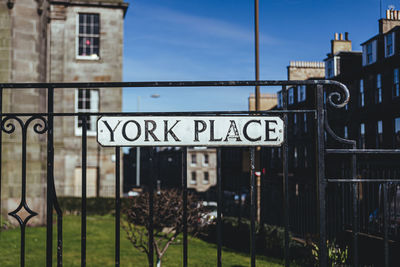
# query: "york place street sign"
[[190, 131]]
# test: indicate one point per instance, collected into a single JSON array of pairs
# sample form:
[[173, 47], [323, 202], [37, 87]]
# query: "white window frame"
[[91, 57], [193, 177], [362, 135], [378, 88], [369, 60], [396, 130], [330, 64], [379, 133], [396, 84], [301, 93], [193, 162], [362, 94], [291, 96], [392, 36], [206, 174], [280, 102], [94, 107], [206, 162]]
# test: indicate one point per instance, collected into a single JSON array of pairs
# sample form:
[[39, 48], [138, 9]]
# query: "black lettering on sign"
[[150, 131], [197, 130], [212, 132], [245, 131], [268, 130], [233, 128], [169, 131], [111, 130], [139, 131]]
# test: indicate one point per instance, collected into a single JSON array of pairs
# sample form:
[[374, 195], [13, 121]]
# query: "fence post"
[[321, 182]]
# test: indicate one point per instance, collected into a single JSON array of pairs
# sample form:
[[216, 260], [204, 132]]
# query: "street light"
[[138, 148]]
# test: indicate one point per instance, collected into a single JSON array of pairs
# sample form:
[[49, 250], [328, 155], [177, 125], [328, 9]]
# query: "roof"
[[376, 36]]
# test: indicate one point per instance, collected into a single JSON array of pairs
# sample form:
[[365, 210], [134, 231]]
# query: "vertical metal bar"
[[356, 219], [385, 224], [117, 205], [50, 178], [257, 63], [184, 203], [320, 165], [253, 192], [83, 216], [219, 208], [285, 178], [151, 208], [1, 148]]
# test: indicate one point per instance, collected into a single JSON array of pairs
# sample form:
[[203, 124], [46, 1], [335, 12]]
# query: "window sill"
[[88, 58]]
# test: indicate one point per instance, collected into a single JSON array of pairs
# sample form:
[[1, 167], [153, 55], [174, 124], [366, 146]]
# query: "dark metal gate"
[[338, 96]]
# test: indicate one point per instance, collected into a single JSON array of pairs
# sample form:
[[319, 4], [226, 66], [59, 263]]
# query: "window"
[[194, 159], [379, 134], [369, 53], [362, 135], [389, 44], [88, 39], [280, 103], [396, 87], [361, 95], [291, 96], [346, 132], [205, 159], [295, 157], [330, 68], [378, 97], [301, 93], [305, 157], [305, 122], [295, 123], [86, 100], [206, 178], [193, 179], [397, 132]]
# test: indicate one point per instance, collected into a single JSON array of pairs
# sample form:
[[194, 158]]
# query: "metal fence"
[[43, 124]]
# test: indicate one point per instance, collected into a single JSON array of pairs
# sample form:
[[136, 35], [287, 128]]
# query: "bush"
[[270, 240], [94, 206]]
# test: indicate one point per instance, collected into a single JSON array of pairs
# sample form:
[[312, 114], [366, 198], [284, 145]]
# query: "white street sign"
[[190, 131]]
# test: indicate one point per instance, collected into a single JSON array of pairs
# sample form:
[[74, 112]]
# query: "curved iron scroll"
[[8, 127], [335, 136], [342, 98]]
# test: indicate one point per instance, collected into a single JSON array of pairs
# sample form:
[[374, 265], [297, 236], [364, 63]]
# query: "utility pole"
[[257, 100], [138, 152], [257, 63]]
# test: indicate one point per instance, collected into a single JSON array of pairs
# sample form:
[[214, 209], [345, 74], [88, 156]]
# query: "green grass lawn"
[[100, 248]]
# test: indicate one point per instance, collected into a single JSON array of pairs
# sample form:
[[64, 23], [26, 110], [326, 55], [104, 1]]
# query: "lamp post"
[[138, 148]]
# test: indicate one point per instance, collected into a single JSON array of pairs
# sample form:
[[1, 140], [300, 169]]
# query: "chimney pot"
[[341, 36], [388, 14], [336, 35], [346, 36]]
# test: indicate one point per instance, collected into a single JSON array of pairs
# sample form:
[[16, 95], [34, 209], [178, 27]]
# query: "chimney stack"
[[338, 44], [336, 36], [392, 20]]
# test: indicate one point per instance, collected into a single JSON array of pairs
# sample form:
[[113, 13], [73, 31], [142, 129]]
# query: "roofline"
[[121, 5]]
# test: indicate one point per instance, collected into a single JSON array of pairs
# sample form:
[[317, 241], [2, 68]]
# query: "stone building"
[[267, 101], [201, 168], [59, 41]]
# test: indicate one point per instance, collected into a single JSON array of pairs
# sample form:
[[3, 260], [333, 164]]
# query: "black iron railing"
[[338, 97]]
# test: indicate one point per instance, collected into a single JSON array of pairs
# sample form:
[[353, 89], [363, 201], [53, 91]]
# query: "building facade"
[[201, 168], [59, 41]]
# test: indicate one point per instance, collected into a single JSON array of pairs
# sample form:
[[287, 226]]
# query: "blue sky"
[[174, 40]]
